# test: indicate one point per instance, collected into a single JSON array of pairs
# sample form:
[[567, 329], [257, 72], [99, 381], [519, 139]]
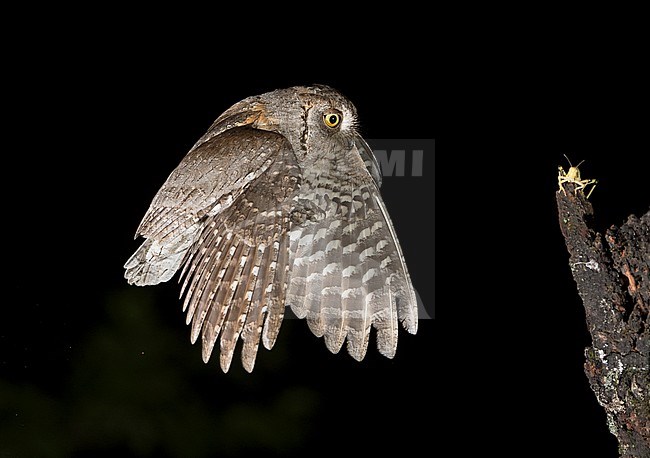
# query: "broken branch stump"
[[613, 280]]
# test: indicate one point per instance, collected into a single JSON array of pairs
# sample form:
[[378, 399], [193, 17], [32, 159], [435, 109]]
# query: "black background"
[[89, 365]]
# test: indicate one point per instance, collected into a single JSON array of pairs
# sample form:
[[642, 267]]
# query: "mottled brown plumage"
[[278, 205]]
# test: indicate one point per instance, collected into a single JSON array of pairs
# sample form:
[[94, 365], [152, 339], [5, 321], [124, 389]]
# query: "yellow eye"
[[332, 119]]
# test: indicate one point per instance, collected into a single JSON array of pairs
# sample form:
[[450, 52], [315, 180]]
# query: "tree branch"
[[614, 283]]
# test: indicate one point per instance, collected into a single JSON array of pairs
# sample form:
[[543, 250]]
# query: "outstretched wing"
[[209, 179], [347, 269], [253, 229], [235, 273], [206, 182]]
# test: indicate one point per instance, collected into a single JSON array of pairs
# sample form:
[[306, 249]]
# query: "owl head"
[[315, 119]]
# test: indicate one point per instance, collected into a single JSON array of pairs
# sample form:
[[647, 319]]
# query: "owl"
[[276, 206]]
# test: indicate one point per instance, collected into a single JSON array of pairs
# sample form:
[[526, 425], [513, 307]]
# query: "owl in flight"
[[278, 205]]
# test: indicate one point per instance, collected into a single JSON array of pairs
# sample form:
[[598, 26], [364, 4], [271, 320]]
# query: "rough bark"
[[613, 280]]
